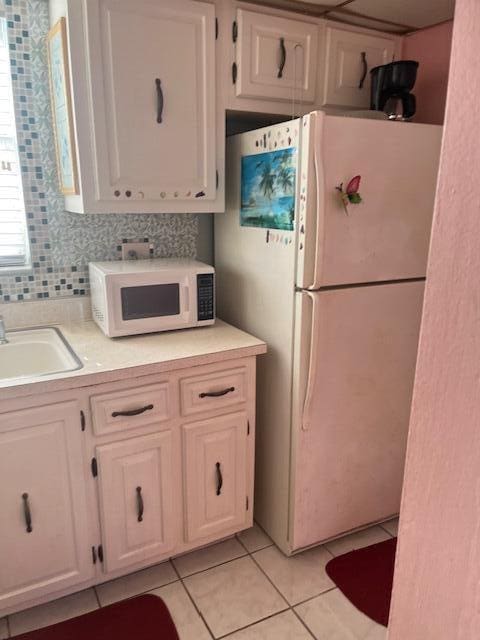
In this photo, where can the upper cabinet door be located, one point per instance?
(276, 58)
(350, 57)
(151, 71)
(45, 545)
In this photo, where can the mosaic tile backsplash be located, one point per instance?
(63, 243)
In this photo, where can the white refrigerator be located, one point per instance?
(336, 291)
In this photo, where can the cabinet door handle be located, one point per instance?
(216, 394)
(160, 100)
(27, 513)
(219, 478)
(365, 69)
(133, 412)
(140, 505)
(283, 58)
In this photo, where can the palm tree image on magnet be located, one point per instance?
(268, 190)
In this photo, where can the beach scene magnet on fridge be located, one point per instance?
(268, 189)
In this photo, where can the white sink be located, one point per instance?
(31, 353)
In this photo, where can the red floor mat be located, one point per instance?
(142, 618)
(365, 577)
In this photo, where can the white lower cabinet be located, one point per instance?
(100, 481)
(136, 493)
(44, 539)
(215, 464)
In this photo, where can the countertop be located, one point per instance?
(110, 359)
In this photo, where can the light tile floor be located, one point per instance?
(241, 589)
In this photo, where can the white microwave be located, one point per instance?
(145, 296)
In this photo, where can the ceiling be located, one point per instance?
(397, 16)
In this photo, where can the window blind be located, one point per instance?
(13, 229)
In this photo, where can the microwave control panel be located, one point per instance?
(205, 296)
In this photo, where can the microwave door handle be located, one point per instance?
(186, 298)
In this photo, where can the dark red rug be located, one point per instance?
(365, 577)
(142, 618)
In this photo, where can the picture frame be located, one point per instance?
(268, 189)
(62, 108)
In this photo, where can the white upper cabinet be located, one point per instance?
(276, 57)
(143, 76)
(350, 57)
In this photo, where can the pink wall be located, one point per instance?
(431, 47)
(437, 581)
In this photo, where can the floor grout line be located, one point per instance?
(270, 544)
(189, 595)
(9, 630)
(246, 550)
(97, 596)
(252, 624)
(303, 623)
(328, 551)
(317, 595)
(387, 531)
(271, 581)
(140, 593)
(195, 573)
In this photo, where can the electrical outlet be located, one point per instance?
(136, 250)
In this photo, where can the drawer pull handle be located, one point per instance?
(133, 412)
(160, 100)
(283, 58)
(140, 505)
(27, 513)
(219, 479)
(216, 394)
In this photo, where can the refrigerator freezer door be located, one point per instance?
(351, 418)
(386, 236)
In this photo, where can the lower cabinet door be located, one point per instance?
(215, 464)
(44, 538)
(136, 485)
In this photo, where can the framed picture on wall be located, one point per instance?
(62, 108)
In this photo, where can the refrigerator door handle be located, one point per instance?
(312, 363)
(318, 122)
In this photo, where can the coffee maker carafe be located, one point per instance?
(391, 85)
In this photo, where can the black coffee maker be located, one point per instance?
(391, 85)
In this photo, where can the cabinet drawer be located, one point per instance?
(213, 390)
(130, 408)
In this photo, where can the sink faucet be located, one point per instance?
(3, 337)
